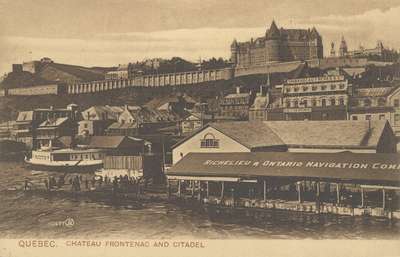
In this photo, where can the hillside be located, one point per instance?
(54, 72)
(22, 79)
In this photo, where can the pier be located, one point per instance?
(240, 180)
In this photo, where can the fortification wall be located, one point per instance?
(160, 80)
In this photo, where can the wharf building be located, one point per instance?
(338, 167)
(289, 136)
(278, 45)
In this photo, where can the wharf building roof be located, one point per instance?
(304, 134)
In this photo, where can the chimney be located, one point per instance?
(237, 90)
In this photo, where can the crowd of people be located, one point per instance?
(88, 183)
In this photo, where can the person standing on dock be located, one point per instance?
(115, 186)
(101, 181)
(27, 184)
(46, 184)
(86, 184)
(78, 184)
(61, 181)
(93, 182)
(53, 182)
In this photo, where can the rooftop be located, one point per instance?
(322, 134)
(53, 122)
(250, 134)
(374, 92)
(307, 165)
(111, 141)
(340, 133)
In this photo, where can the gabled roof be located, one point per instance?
(374, 92)
(249, 134)
(111, 141)
(322, 134)
(53, 122)
(117, 125)
(260, 102)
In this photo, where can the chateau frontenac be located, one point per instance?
(278, 45)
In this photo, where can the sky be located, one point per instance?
(112, 32)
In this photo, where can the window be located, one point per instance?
(382, 116)
(341, 101)
(341, 86)
(396, 103)
(296, 89)
(305, 103)
(367, 117)
(333, 102)
(287, 103)
(323, 102)
(305, 89)
(354, 117)
(296, 103)
(323, 87)
(381, 102)
(333, 87)
(209, 141)
(85, 125)
(397, 117)
(314, 103)
(314, 88)
(367, 102)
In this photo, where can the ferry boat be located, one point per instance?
(66, 160)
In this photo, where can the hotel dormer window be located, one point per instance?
(305, 89)
(314, 88)
(209, 141)
(323, 87)
(296, 89)
(333, 87)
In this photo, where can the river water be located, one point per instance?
(32, 215)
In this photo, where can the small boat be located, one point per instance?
(66, 160)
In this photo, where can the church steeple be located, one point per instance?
(343, 47)
(273, 32)
(333, 53)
